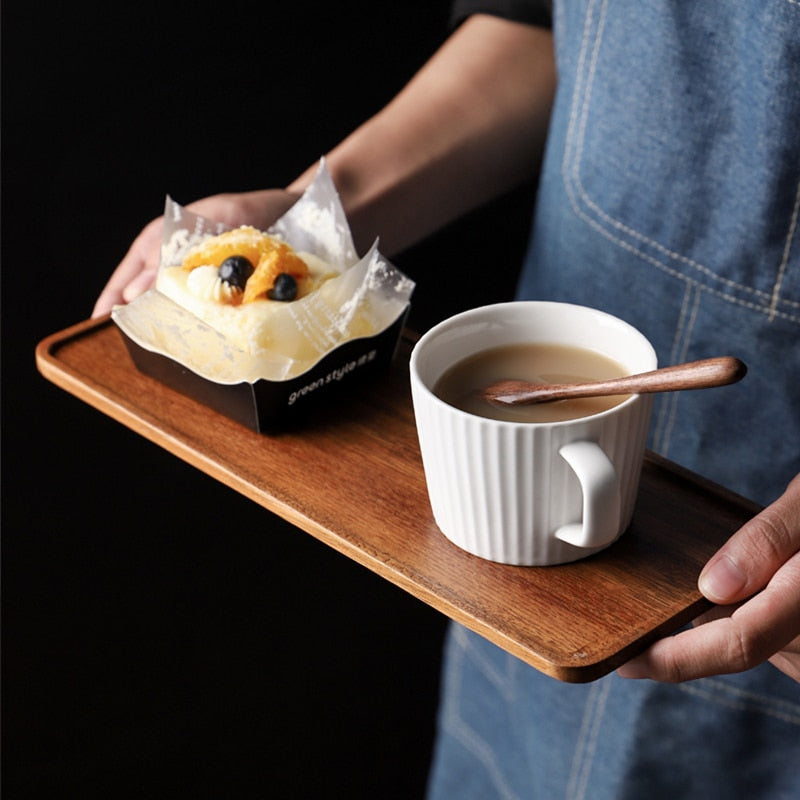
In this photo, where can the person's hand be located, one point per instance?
(755, 580)
(137, 270)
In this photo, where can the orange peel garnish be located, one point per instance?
(270, 265)
(245, 241)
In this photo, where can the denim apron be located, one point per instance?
(669, 197)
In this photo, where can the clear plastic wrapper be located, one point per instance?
(365, 298)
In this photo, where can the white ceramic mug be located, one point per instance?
(530, 493)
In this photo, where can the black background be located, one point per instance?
(163, 636)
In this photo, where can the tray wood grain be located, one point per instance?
(352, 477)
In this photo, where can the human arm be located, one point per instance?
(755, 580)
(469, 126)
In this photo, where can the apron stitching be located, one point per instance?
(756, 307)
(588, 93)
(499, 681)
(674, 397)
(684, 354)
(466, 736)
(573, 183)
(578, 92)
(588, 736)
(742, 700)
(666, 400)
(785, 260)
(677, 347)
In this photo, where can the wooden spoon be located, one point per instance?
(694, 375)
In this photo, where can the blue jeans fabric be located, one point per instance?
(508, 731)
(669, 196)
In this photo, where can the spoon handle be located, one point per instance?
(702, 374)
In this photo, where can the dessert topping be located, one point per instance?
(280, 259)
(248, 263)
(235, 270)
(284, 289)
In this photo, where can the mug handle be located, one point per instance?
(601, 496)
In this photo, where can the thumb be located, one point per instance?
(748, 560)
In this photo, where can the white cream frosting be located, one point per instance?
(205, 284)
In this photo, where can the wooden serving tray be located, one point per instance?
(353, 478)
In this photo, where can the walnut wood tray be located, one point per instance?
(353, 478)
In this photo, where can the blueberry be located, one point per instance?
(235, 271)
(284, 288)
